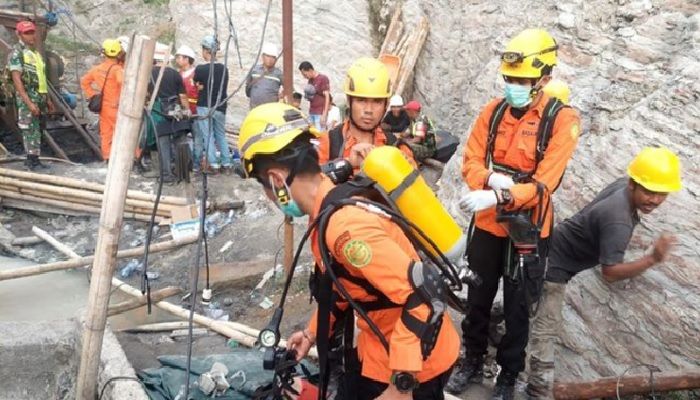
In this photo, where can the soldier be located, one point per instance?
(31, 87)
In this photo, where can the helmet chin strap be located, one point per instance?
(353, 123)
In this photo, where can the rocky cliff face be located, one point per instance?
(633, 67)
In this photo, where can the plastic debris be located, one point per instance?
(131, 267)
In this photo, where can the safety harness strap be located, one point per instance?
(405, 184)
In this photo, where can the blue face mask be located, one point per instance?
(285, 202)
(518, 96)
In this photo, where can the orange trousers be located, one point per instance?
(108, 120)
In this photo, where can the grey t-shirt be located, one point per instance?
(263, 86)
(598, 234)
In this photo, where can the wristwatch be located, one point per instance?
(404, 382)
(503, 197)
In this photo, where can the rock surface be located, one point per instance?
(633, 68)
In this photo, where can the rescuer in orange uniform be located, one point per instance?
(368, 89)
(372, 252)
(107, 78)
(506, 172)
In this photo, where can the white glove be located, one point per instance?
(478, 200)
(500, 181)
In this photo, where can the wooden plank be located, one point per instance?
(71, 117)
(411, 57)
(393, 32)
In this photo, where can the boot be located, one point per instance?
(38, 164)
(505, 385)
(155, 166)
(29, 163)
(471, 370)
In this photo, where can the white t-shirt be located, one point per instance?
(333, 117)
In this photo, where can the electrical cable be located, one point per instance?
(652, 368)
(118, 378)
(210, 116)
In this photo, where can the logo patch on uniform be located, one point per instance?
(574, 131)
(340, 242)
(358, 253)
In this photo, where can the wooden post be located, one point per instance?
(131, 103)
(288, 54)
(628, 385)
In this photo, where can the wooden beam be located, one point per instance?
(126, 136)
(137, 302)
(57, 150)
(393, 32)
(85, 185)
(21, 272)
(71, 117)
(628, 385)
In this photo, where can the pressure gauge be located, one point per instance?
(268, 338)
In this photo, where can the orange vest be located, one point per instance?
(515, 147)
(373, 248)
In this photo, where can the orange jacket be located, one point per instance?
(373, 248)
(94, 79)
(515, 147)
(324, 147)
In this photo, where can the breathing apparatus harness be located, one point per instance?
(435, 279)
(524, 234)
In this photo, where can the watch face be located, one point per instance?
(268, 338)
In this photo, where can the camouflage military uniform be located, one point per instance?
(29, 124)
(427, 147)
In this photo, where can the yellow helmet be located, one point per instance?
(558, 89)
(368, 77)
(269, 128)
(657, 169)
(111, 47)
(528, 54)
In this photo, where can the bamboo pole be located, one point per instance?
(71, 192)
(137, 302)
(629, 385)
(131, 103)
(85, 185)
(157, 327)
(67, 205)
(30, 240)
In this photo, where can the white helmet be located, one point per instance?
(270, 50)
(396, 101)
(186, 51)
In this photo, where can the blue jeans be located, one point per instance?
(217, 138)
(316, 120)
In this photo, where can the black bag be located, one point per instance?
(95, 102)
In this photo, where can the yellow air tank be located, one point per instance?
(387, 166)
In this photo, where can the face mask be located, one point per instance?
(285, 203)
(518, 96)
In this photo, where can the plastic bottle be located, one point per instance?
(130, 268)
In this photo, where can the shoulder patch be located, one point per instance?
(358, 253)
(340, 242)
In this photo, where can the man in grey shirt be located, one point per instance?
(264, 84)
(599, 234)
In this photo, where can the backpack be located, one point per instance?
(544, 130)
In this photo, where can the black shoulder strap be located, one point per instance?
(337, 142)
(544, 130)
(494, 121)
(358, 185)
